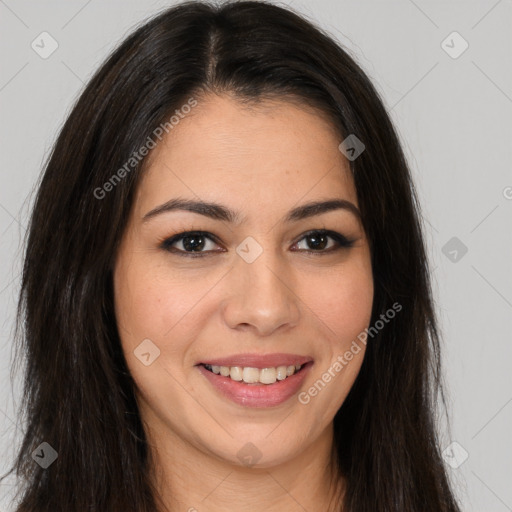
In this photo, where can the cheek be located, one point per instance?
(341, 305)
(342, 302)
(172, 310)
(151, 304)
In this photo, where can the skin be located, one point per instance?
(262, 162)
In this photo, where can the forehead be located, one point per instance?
(275, 152)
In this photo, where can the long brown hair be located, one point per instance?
(79, 395)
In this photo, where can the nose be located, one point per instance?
(261, 296)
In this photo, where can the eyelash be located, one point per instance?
(342, 241)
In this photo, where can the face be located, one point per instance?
(266, 286)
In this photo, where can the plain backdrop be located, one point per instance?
(452, 107)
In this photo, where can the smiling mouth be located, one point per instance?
(257, 376)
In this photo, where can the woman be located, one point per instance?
(225, 298)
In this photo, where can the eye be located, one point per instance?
(192, 243)
(318, 240)
(196, 243)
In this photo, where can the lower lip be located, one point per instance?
(257, 395)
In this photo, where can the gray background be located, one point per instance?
(454, 118)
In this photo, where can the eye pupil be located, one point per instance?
(194, 245)
(319, 241)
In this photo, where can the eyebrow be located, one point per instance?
(219, 212)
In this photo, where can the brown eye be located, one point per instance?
(318, 241)
(192, 243)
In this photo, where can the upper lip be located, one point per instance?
(259, 360)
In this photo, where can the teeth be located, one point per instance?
(281, 372)
(268, 375)
(251, 375)
(235, 373)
